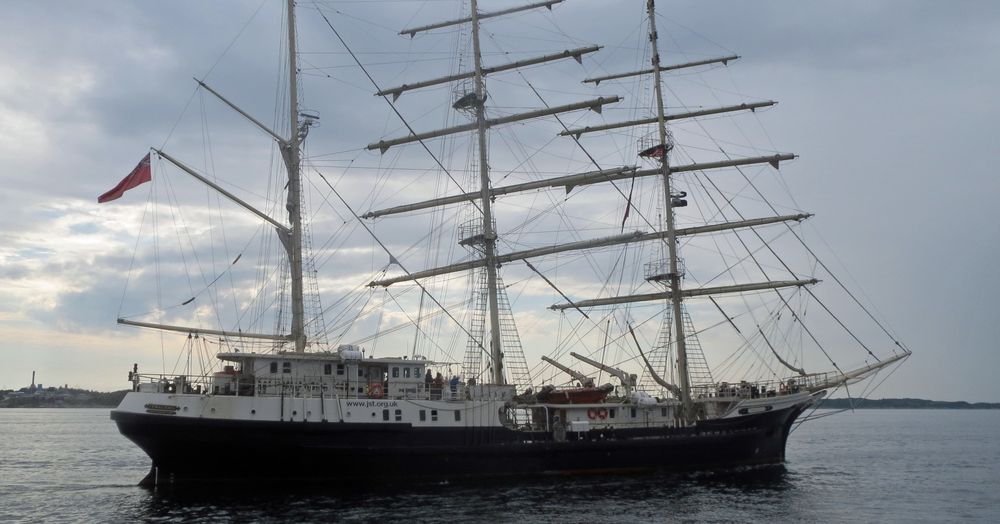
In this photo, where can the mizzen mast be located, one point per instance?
(291, 235)
(290, 153)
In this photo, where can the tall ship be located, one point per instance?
(647, 360)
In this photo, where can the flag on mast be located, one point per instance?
(140, 175)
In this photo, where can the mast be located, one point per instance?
(481, 124)
(675, 278)
(489, 236)
(637, 236)
(291, 156)
(569, 182)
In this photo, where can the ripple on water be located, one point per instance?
(912, 466)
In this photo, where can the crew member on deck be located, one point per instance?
(436, 386)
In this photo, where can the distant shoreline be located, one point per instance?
(61, 398)
(91, 399)
(903, 403)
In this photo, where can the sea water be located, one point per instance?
(71, 465)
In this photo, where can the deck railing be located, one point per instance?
(768, 388)
(311, 387)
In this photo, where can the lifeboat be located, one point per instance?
(583, 395)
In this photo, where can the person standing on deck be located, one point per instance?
(436, 386)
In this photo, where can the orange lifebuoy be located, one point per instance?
(592, 414)
(602, 413)
(375, 391)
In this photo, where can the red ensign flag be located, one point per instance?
(140, 175)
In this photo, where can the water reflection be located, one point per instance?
(73, 466)
(698, 495)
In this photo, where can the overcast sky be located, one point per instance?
(891, 106)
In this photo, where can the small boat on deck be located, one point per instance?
(581, 395)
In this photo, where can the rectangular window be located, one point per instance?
(406, 372)
(286, 367)
(361, 372)
(416, 373)
(274, 367)
(663, 412)
(385, 414)
(423, 415)
(399, 415)
(395, 372)
(458, 416)
(327, 369)
(434, 415)
(611, 413)
(633, 412)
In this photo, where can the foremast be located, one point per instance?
(676, 297)
(489, 235)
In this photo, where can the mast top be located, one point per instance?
(480, 16)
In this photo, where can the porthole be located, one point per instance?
(253, 411)
(294, 413)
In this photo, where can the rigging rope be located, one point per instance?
(391, 105)
(388, 252)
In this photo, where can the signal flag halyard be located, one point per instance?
(140, 175)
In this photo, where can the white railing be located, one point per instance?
(313, 387)
(769, 388)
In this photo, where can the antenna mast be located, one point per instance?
(675, 277)
(291, 156)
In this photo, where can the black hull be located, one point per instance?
(189, 449)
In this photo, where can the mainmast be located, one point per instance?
(291, 156)
(489, 235)
(675, 278)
